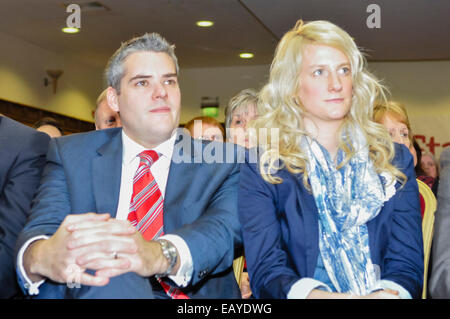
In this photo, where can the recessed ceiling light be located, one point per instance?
(70, 30)
(205, 23)
(246, 55)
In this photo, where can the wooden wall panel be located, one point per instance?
(29, 115)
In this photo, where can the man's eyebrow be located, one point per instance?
(145, 76)
(170, 75)
(139, 76)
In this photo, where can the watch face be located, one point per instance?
(170, 253)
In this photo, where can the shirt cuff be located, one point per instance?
(303, 287)
(24, 281)
(184, 273)
(402, 292)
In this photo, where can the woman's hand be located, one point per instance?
(380, 294)
(246, 292)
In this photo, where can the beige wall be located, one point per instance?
(222, 82)
(23, 69)
(423, 86)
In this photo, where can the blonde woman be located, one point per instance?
(332, 211)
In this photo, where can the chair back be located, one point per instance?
(238, 267)
(427, 228)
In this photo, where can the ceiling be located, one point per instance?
(411, 30)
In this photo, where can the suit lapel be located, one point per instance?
(106, 175)
(178, 181)
(311, 225)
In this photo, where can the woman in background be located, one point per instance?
(205, 128)
(326, 212)
(430, 168)
(241, 110)
(394, 117)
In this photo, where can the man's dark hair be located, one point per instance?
(48, 121)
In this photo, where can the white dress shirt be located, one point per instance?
(160, 171)
(130, 163)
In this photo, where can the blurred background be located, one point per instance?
(45, 71)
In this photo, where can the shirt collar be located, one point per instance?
(131, 149)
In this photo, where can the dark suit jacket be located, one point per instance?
(440, 273)
(200, 205)
(281, 231)
(22, 158)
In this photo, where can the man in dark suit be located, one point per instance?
(78, 234)
(22, 158)
(440, 273)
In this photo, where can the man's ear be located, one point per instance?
(112, 98)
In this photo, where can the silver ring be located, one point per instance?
(115, 255)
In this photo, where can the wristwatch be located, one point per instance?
(170, 252)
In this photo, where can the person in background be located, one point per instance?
(418, 150)
(49, 126)
(205, 128)
(22, 154)
(394, 117)
(326, 212)
(439, 283)
(430, 168)
(104, 115)
(241, 110)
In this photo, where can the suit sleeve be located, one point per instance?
(51, 203)
(403, 262)
(15, 200)
(267, 259)
(214, 236)
(440, 274)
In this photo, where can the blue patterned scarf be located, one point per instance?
(346, 198)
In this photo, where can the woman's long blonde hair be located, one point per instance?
(280, 108)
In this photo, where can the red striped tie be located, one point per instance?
(146, 208)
